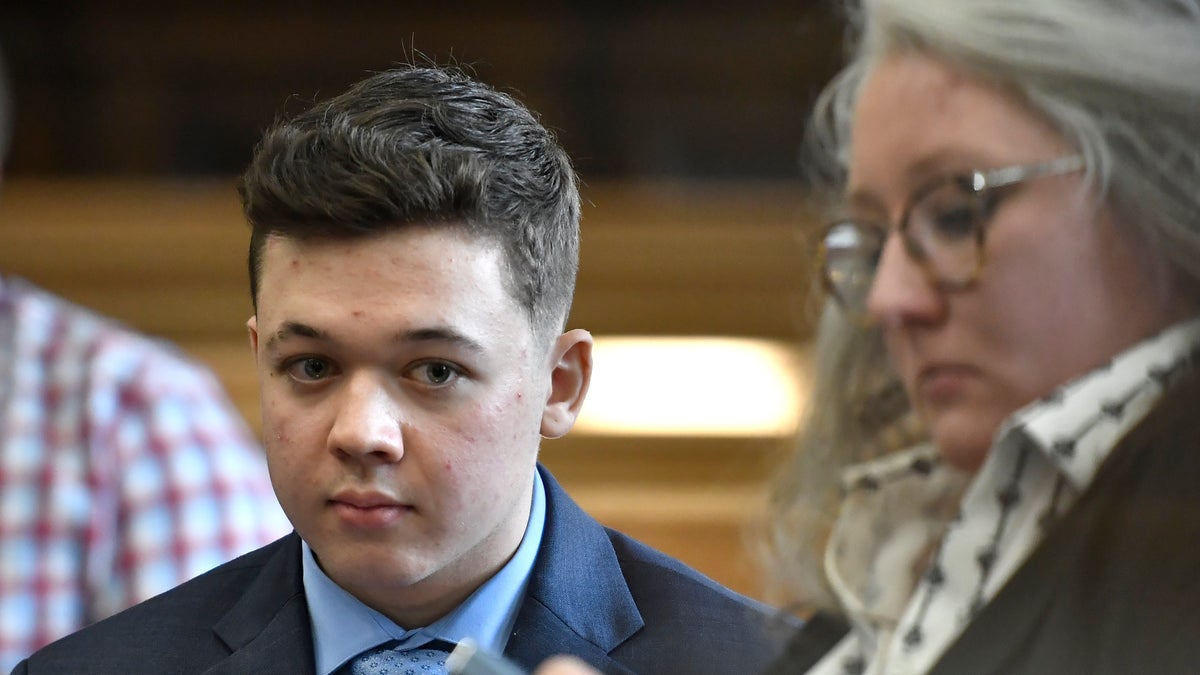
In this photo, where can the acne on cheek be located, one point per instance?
(281, 435)
(277, 429)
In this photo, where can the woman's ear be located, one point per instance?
(569, 379)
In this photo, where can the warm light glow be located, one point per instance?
(693, 386)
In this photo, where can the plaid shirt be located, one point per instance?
(124, 470)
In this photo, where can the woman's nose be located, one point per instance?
(902, 290)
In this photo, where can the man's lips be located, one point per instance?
(368, 509)
(366, 500)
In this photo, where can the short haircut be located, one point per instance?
(425, 146)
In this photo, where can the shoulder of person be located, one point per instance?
(152, 635)
(660, 582)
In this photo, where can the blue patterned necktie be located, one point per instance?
(428, 659)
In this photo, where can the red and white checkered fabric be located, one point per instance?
(124, 470)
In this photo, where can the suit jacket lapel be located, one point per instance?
(577, 601)
(268, 629)
(540, 634)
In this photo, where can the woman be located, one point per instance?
(1022, 224)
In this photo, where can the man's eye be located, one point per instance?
(436, 373)
(309, 369)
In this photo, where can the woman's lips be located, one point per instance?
(943, 384)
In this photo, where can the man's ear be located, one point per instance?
(252, 326)
(569, 380)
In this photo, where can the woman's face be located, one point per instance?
(1063, 288)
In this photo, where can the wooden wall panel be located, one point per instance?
(168, 258)
(702, 88)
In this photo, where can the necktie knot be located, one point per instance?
(428, 659)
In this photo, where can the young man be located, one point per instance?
(413, 259)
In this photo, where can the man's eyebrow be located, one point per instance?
(440, 334)
(292, 329)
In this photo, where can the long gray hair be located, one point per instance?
(857, 411)
(1119, 79)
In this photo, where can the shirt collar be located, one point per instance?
(343, 626)
(893, 509)
(912, 495)
(1078, 425)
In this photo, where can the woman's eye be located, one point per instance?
(309, 369)
(436, 373)
(956, 222)
(947, 215)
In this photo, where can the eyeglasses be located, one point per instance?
(942, 228)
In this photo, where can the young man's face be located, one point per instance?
(403, 393)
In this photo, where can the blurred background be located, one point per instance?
(684, 120)
(697, 89)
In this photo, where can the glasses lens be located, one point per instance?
(943, 231)
(851, 253)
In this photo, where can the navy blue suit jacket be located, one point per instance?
(594, 593)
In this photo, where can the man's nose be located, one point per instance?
(368, 421)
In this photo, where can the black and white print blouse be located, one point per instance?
(919, 548)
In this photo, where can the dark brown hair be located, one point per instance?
(423, 146)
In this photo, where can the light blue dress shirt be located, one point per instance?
(343, 626)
